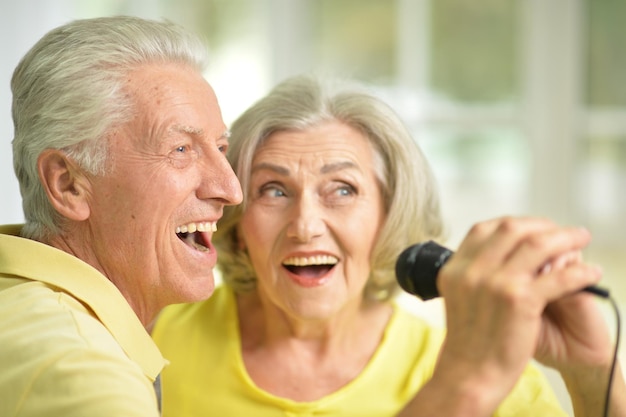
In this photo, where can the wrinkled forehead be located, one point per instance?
(170, 99)
(326, 147)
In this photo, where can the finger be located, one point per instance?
(561, 261)
(566, 280)
(481, 232)
(493, 242)
(544, 251)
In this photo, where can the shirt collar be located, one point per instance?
(55, 267)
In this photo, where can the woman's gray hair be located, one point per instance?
(406, 180)
(67, 94)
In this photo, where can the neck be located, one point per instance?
(263, 323)
(283, 354)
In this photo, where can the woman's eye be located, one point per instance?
(346, 190)
(272, 191)
(182, 149)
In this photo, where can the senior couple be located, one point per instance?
(130, 181)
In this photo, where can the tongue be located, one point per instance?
(195, 240)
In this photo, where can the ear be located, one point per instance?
(65, 184)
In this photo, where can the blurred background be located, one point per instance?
(520, 105)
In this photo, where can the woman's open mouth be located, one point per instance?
(311, 266)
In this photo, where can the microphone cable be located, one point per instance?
(618, 326)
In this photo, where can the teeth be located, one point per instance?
(311, 260)
(197, 227)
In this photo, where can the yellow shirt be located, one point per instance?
(207, 377)
(70, 345)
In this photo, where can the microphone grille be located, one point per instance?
(417, 268)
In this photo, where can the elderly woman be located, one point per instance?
(305, 322)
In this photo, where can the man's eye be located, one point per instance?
(182, 156)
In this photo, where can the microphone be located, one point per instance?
(418, 265)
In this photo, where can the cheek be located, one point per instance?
(256, 229)
(162, 194)
(362, 234)
(260, 233)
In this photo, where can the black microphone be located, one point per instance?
(418, 265)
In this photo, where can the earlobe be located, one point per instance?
(65, 184)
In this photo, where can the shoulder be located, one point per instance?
(532, 395)
(56, 355)
(412, 344)
(416, 326)
(35, 313)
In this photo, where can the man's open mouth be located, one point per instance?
(192, 234)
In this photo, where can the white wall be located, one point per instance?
(22, 23)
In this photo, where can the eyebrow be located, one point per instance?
(337, 166)
(271, 167)
(334, 167)
(187, 129)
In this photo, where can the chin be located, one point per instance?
(316, 312)
(197, 290)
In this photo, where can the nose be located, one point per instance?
(219, 181)
(307, 220)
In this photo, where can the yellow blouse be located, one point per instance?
(207, 377)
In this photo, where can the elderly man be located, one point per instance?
(119, 150)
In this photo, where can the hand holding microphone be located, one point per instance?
(511, 294)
